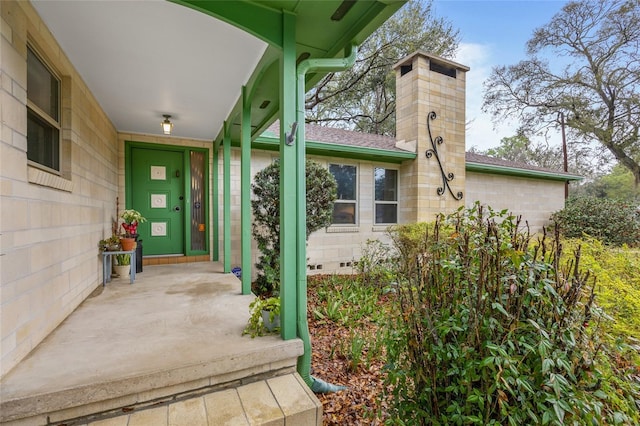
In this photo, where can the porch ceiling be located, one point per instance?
(143, 59)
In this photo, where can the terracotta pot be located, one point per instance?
(128, 244)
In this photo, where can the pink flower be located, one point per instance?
(130, 229)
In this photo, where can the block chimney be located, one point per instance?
(430, 96)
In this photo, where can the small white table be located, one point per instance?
(106, 265)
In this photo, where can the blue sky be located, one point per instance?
(492, 33)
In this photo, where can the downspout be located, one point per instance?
(309, 65)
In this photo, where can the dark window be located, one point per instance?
(386, 196)
(43, 114)
(345, 207)
(442, 69)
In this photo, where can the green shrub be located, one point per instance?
(265, 206)
(614, 222)
(492, 329)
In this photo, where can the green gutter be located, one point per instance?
(327, 149)
(514, 171)
(308, 65)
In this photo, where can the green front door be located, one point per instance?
(157, 187)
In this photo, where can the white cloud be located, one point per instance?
(480, 129)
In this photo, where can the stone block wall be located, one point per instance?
(50, 224)
(329, 250)
(533, 199)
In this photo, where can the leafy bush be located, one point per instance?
(614, 222)
(321, 193)
(491, 329)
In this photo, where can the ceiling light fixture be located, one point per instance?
(167, 125)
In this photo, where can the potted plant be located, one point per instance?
(131, 218)
(110, 244)
(123, 264)
(264, 316)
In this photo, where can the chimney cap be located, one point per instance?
(430, 57)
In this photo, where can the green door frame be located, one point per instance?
(129, 145)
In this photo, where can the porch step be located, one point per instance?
(172, 336)
(276, 401)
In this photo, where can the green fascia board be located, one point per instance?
(514, 171)
(326, 149)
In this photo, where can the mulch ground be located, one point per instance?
(360, 403)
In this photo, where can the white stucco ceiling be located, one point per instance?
(143, 59)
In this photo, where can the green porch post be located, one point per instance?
(226, 154)
(289, 175)
(245, 192)
(216, 203)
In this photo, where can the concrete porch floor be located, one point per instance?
(171, 338)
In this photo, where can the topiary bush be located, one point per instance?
(492, 329)
(612, 221)
(321, 193)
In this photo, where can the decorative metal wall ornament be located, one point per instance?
(446, 177)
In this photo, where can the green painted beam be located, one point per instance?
(514, 171)
(245, 192)
(226, 181)
(289, 175)
(258, 20)
(327, 149)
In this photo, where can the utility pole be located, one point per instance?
(564, 154)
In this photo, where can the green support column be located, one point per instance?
(288, 178)
(226, 154)
(216, 203)
(245, 192)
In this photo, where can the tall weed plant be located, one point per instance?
(492, 329)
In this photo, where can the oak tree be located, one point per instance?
(584, 63)
(363, 97)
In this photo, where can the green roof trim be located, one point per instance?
(520, 172)
(327, 149)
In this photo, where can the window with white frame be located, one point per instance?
(43, 114)
(386, 196)
(345, 206)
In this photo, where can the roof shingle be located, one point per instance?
(316, 133)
